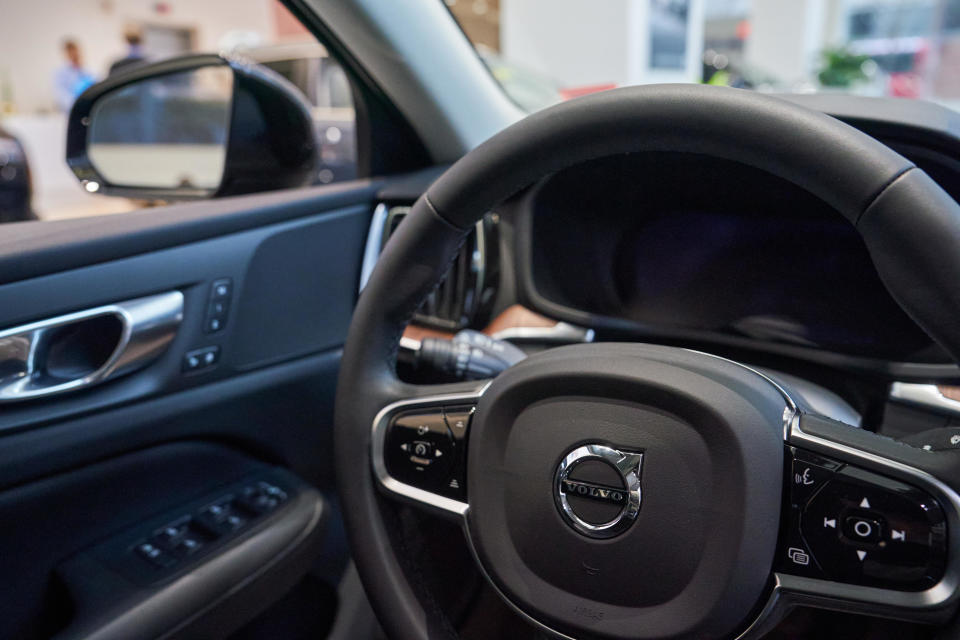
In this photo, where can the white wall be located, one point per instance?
(32, 32)
(576, 42)
(591, 42)
(786, 38)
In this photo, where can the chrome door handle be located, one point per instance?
(81, 349)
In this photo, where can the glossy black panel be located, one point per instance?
(854, 526)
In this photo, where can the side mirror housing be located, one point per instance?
(196, 126)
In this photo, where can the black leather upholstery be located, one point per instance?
(912, 230)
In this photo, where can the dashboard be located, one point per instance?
(691, 251)
(681, 243)
(684, 249)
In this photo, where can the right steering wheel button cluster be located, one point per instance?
(854, 526)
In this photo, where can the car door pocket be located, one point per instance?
(81, 349)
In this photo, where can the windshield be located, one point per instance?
(545, 51)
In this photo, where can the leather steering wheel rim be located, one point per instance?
(909, 224)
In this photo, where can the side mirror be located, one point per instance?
(196, 126)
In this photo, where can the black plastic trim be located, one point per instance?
(397, 147)
(38, 248)
(240, 405)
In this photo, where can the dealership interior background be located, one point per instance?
(537, 49)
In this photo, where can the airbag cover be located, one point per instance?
(697, 560)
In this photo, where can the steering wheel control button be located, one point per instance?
(810, 473)
(870, 530)
(861, 529)
(420, 450)
(458, 419)
(794, 556)
(597, 489)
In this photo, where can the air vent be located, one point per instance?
(459, 298)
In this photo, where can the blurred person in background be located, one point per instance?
(134, 55)
(71, 79)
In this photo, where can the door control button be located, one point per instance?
(180, 538)
(169, 536)
(262, 497)
(221, 517)
(188, 545)
(218, 305)
(218, 308)
(221, 289)
(200, 359)
(155, 555)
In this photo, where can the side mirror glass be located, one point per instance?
(192, 127)
(168, 132)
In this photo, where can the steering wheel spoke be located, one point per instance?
(419, 446)
(863, 531)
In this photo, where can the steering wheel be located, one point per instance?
(640, 491)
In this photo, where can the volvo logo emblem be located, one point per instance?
(597, 492)
(597, 489)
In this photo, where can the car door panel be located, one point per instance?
(62, 514)
(28, 250)
(294, 283)
(79, 469)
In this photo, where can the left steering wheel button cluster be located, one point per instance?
(424, 450)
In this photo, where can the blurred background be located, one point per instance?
(541, 51)
(902, 48)
(51, 50)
